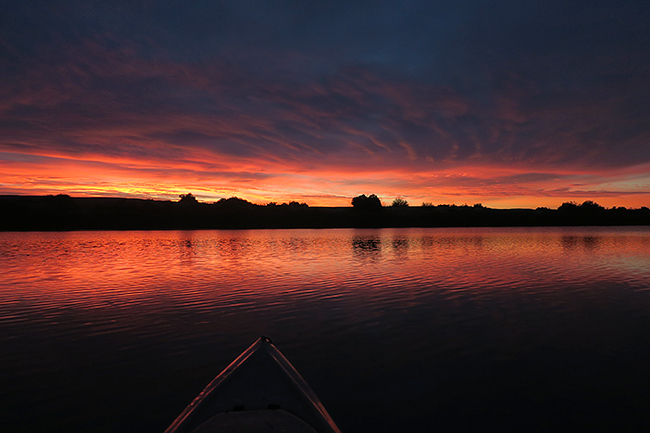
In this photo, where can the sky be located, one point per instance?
(505, 103)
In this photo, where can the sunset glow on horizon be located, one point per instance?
(510, 105)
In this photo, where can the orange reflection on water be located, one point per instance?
(218, 267)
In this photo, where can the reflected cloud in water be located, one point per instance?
(364, 323)
(453, 242)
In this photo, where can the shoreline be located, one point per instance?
(65, 213)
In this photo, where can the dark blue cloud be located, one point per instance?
(510, 82)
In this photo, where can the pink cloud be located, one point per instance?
(110, 121)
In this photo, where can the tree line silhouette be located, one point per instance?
(62, 212)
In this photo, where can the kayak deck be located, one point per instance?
(259, 391)
(258, 421)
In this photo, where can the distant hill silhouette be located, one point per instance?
(62, 212)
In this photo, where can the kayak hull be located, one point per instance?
(259, 390)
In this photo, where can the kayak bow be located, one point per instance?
(259, 391)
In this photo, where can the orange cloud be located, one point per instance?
(89, 120)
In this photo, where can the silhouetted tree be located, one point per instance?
(587, 206)
(568, 206)
(368, 203)
(234, 203)
(296, 204)
(187, 198)
(399, 202)
(590, 205)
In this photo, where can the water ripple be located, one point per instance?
(403, 301)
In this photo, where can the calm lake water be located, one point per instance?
(447, 330)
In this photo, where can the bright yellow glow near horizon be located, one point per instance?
(321, 186)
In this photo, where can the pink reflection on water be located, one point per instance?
(360, 308)
(209, 266)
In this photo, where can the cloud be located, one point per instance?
(397, 93)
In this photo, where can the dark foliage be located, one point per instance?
(400, 202)
(369, 203)
(235, 203)
(188, 199)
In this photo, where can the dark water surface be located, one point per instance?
(448, 330)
